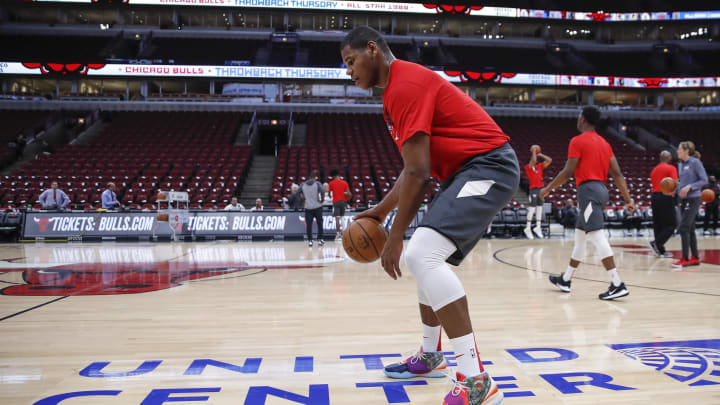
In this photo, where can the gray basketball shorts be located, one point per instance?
(339, 208)
(592, 199)
(469, 199)
(534, 197)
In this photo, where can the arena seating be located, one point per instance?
(356, 144)
(142, 153)
(702, 132)
(14, 123)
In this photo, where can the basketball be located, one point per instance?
(668, 185)
(536, 148)
(163, 217)
(364, 240)
(707, 195)
(161, 196)
(348, 195)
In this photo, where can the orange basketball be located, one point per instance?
(536, 148)
(707, 196)
(161, 196)
(668, 185)
(163, 217)
(364, 240)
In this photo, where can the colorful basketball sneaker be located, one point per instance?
(478, 390)
(420, 364)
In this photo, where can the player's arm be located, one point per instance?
(411, 185)
(616, 173)
(533, 157)
(561, 178)
(547, 160)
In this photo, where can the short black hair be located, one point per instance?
(359, 37)
(591, 115)
(334, 172)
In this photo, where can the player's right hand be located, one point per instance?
(373, 213)
(630, 206)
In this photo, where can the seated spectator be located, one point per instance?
(632, 220)
(568, 214)
(295, 201)
(327, 200)
(258, 205)
(234, 205)
(109, 198)
(54, 198)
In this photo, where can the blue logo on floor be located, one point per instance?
(695, 362)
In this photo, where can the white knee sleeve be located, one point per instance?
(578, 252)
(530, 214)
(601, 243)
(538, 213)
(422, 297)
(425, 257)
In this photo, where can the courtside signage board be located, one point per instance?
(145, 224)
(57, 70)
(417, 8)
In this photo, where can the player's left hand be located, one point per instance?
(543, 193)
(390, 257)
(684, 191)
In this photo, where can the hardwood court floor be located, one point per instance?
(279, 323)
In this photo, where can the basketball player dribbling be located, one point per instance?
(590, 157)
(441, 132)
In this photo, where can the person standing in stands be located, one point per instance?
(314, 195)
(338, 188)
(534, 172)
(54, 198)
(711, 208)
(692, 179)
(440, 132)
(663, 205)
(590, 157)
(109, 198)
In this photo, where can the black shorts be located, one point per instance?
(469, 200)
(339, 209)
(534, 197)
(592, 199)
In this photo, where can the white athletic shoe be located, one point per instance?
(528, 233)
(538, 232)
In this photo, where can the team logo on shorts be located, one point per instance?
(694, 362)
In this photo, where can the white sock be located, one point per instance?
(431, 338)
(466, 355)
(538, 215)
(529, 223)
(567, 276)
(614, 277)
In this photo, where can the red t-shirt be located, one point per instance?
(594, 153)
(338, 188)
(535, 174)
(417, 99)
(660, 172)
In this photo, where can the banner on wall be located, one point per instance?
(418, 8)
(293, 73)
(50, 225)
